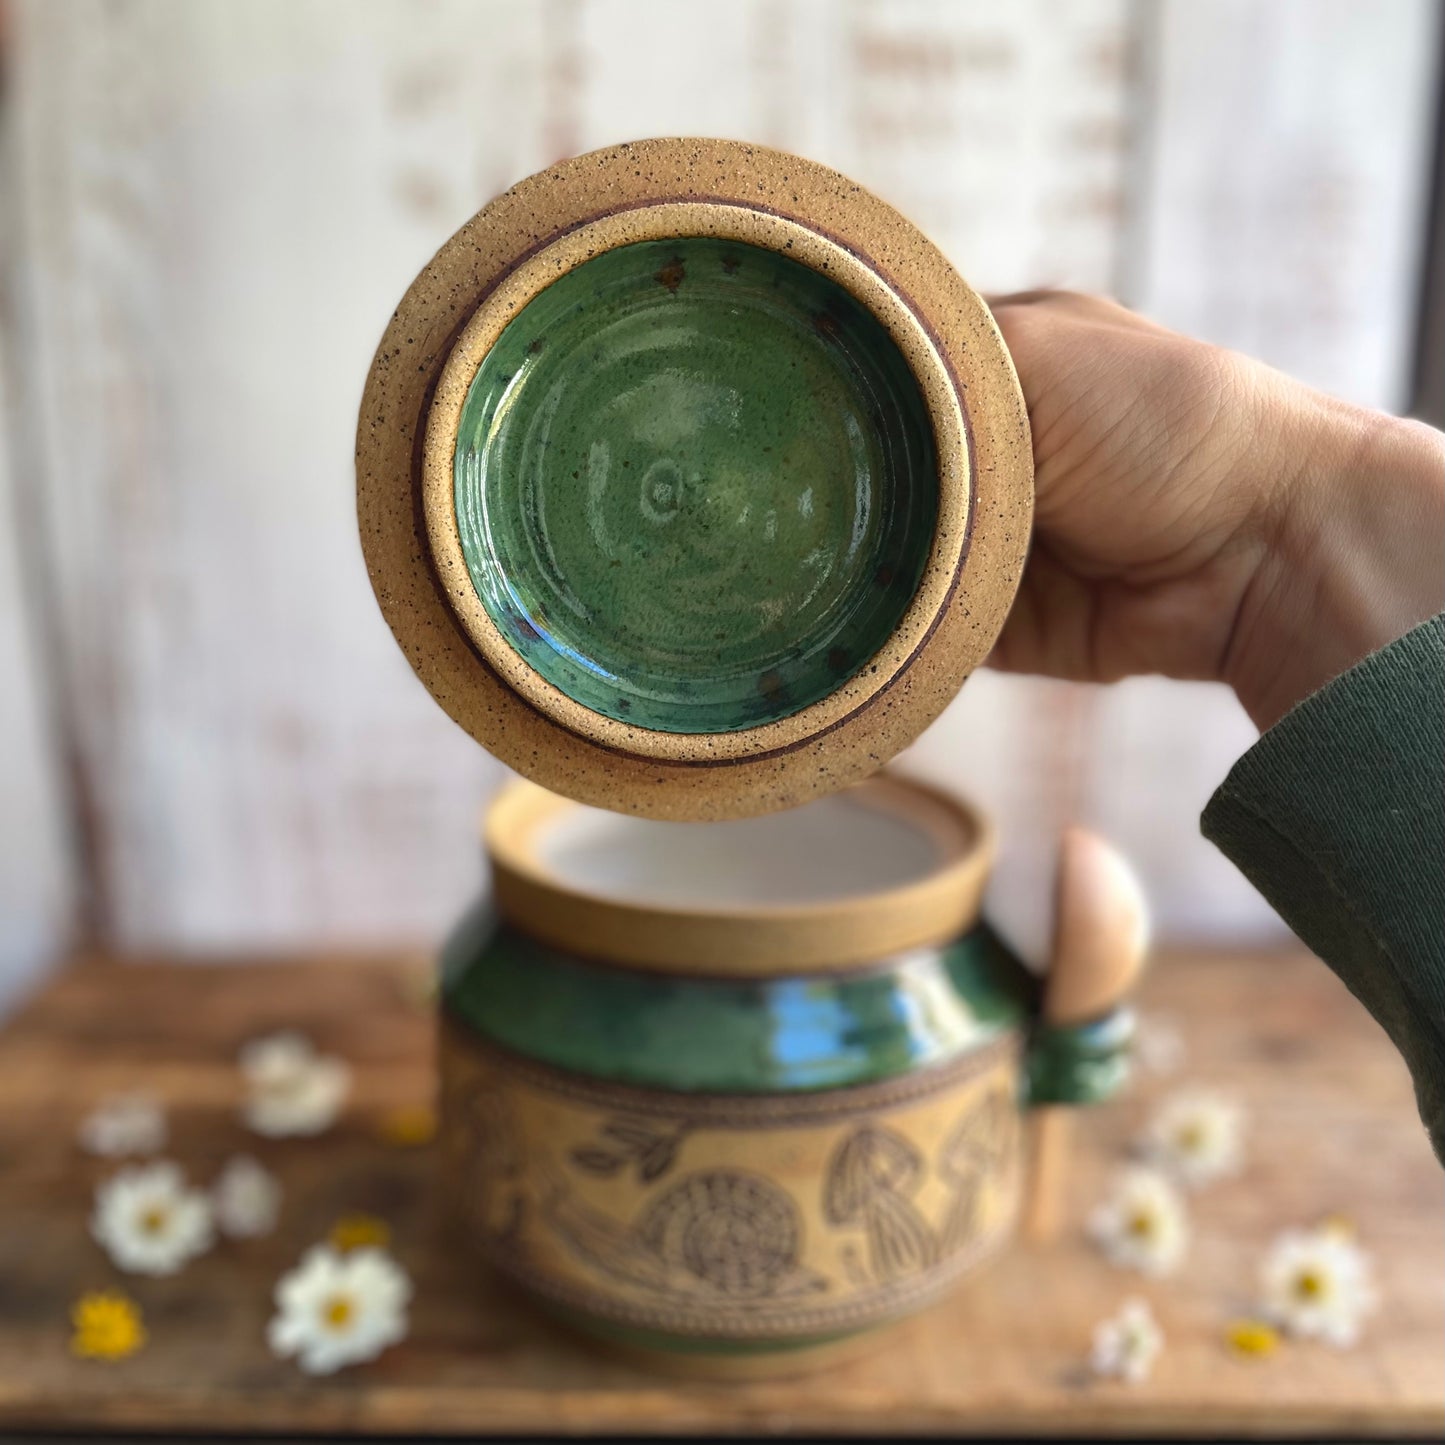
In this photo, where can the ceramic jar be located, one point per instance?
(693, 479)
(734, 1095)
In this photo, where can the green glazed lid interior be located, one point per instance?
(696, 485)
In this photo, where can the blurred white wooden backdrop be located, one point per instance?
(208, 740)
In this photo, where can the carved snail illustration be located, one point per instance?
(738, 1233)
(723, 1233)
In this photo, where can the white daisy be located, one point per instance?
(338, 1309)
(122, 1125)
(1127, 1344)
(1317, 1283)
(246, 1199)
(148, 1222)
(1142, 1223)
(290, 1088)
(1196, 1135)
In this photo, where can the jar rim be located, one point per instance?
(740, 939)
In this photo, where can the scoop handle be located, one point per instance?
(1101, 932)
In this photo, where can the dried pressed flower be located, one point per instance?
(359, 1231)
(1196, 1135)
(1127, 1344)
(339, 1309)
(246, 1199)
(291, 1090)
(126, 1124)
(1317, 1283)
(1255, 1338)
(408, 1126)
(107, 1326)
(148, 1221)
(1142, 1223)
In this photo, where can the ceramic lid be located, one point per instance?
(692, 479)
(887, 866)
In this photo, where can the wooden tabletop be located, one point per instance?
(1332, 1129)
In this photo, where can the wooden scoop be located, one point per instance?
(1101, 932)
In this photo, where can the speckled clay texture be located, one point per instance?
(407, 436)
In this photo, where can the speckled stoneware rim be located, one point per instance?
(755, 228)
(630, 180)
(864, 930)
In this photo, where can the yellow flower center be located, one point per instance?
(338, 1312)
(154, 1219)
(1192, 1138)
(1141, 1224)
(1309, 1284)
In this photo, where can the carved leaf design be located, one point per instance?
(634, 1136)
(601, 1162)
(657, 1159)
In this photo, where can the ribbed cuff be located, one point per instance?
(1337, 816)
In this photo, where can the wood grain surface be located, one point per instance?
(1332, 1128)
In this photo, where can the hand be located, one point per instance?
(1203, 516)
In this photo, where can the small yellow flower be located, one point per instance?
(107, 1326)
(409, 1126)
(1340, 1226)
(1254, 1338)
(359, 1231)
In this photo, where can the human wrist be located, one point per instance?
(1354, 555)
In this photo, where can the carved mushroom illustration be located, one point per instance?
(485, 1153)
(870, 1177)
(973, 1154)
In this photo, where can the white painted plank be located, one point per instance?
(36, 886)
(223, 203)
(1291, 153)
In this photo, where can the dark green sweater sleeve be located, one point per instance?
(1337, 816)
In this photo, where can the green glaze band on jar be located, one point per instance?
(741, 1036)
(695, 484)
(733, 1036)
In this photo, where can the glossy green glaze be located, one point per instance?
(733, 1036)
(1082, 1063)
(696, 485)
